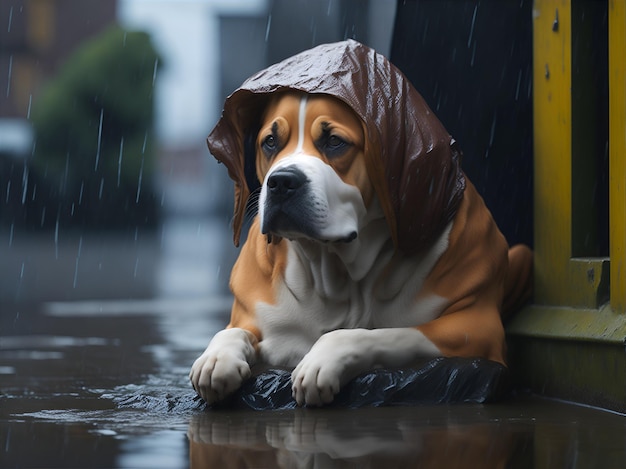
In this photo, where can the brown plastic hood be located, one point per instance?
(413, 162)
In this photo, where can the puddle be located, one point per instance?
(103, 383)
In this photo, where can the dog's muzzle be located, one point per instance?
(303, 197)
(287, 207)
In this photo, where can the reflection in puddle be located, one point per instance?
(392, 437)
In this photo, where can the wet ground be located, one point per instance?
(97, 333)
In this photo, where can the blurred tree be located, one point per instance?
(93, 133)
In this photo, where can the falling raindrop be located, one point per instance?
(80, 194)
(9, 75)
(80, 248)
(119, 162)
(136, 267)
(493, 129)
(22, 271)
(139, 182)
(6, 201)
(267, 27)
(99, 140)
(154, 72)
(519, 81)
(11, 229)
(473, 54)
(10, 19)
(101, 189)
(30, 103)
(469, 39)
(56, 238)
(43, 216)
(24, 183)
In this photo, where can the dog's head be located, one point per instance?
(309, 155)
(387, 142)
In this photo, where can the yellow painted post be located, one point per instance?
(617, 152)
(553, 139)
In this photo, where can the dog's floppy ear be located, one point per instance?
(232, 142)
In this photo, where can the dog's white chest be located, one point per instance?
(321, 293)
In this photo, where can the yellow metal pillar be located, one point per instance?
(552, 139)
(617, 152)
(569, 343)
(560, 278)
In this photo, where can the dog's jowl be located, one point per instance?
(371, 248)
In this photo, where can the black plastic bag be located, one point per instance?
(439, 381)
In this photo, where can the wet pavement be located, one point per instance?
(97, 333)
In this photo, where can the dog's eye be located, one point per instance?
(334, 141)
(334, 146)
(269, 144)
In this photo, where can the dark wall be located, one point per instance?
(472, 62)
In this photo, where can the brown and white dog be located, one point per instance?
(325, 282)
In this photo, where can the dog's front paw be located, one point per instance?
(223, 366)
(335, 358)
(315, 382)
(215, 376)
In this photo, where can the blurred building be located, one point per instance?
(36, 36)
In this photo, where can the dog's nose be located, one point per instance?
(284, 182)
